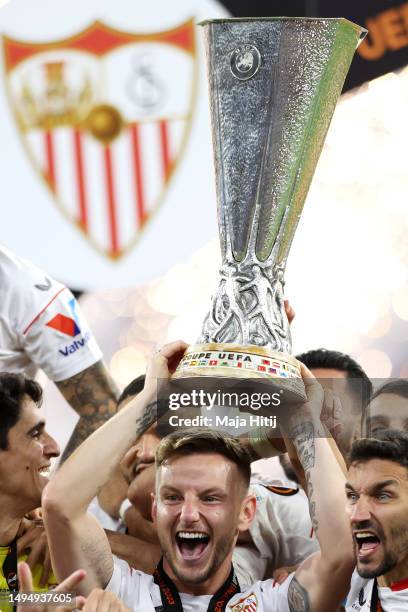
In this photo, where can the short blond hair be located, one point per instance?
(202, 440)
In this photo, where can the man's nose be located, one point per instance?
(146, 449)
(51, 448)
(190, 510)
(360, 511)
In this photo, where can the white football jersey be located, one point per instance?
(104, 519)
(41, 325)
(391, 599)
(141, 594)
(281, 531)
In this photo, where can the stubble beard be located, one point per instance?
(387, 564)
(222, 550)
(391, 559)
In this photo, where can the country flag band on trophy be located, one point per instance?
(274, 84)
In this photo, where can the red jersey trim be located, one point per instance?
(401, 585)
(40, 313)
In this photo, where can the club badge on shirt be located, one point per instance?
(249, 603)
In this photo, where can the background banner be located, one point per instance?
(105, 159)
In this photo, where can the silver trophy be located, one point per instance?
(274, 84)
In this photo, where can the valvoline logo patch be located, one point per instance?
(66, 325)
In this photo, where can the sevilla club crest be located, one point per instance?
(105, 117)
(249, 603)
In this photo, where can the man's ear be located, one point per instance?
(247, 514)
(154, 507)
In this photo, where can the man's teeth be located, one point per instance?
(192, 535)
(364, 534)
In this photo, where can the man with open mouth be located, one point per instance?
(377, 493)
(280, 534)
(201, 504)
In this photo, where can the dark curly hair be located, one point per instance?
(13, 389)
(359, 383)
(133, 388)
(387, 444)
(396, 387)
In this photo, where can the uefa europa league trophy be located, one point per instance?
(274, 83)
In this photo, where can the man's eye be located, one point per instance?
(352, 497)
(383, 496)
(211, 498)
(36, 434)
(172, 497)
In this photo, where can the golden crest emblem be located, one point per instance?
(105, 116)
(249, 603)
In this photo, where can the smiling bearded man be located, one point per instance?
(201, 505)
(377, 493)
(25, 453)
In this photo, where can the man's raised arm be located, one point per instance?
(322, 580)
(77, 541)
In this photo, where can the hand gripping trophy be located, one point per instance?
(274, 84)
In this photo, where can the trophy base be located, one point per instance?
(250, 361)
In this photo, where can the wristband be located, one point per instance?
(124, 506)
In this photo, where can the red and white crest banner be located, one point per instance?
(107, 153)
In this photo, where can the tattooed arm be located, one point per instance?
(321, 581)
(93, 395)
(76, 539)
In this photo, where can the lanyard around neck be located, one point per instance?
(171, 601)
(375, 601)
